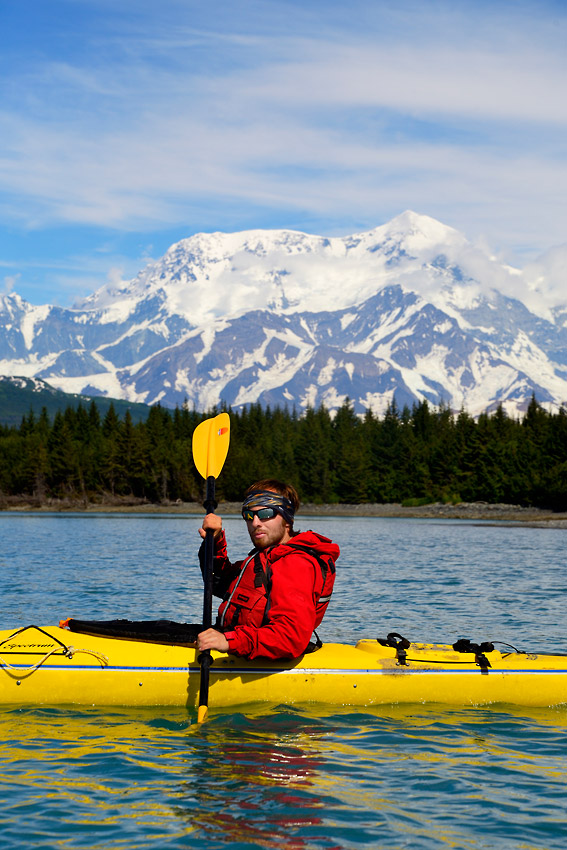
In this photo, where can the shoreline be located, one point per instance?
(465, 510)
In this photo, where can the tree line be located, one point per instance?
(410, 456)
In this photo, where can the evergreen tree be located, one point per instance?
(112, 466)
(351, 457)
(314, 451)
(63, 462)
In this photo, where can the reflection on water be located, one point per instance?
(255, 780)
(390, 777)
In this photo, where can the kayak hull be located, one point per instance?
(51, 666)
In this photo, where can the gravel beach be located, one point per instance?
(468, 511)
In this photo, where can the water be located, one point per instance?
(289, 777)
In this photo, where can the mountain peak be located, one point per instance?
(219, 275)
(415, 232)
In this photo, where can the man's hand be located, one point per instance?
(211, 639)
(212, 522)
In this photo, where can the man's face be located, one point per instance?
(267, 532)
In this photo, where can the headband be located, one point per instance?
(269, 499)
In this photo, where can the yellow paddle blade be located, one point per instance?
(202, 713)
(210, 445)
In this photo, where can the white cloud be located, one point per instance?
(9, 283)
(459, 113)
(477, 83)
(548, 275)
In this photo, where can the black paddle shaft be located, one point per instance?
(209, 505)
(205, 659)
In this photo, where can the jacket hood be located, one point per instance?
(309, 540)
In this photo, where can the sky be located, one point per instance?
(127, 125)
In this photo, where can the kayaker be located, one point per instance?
(275, 598)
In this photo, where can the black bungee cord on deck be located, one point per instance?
(401, 644)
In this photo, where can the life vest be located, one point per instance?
(247, 601)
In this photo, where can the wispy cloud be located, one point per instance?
(156, 117)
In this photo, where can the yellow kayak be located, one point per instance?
(53, 666)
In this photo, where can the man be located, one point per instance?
(277, 596)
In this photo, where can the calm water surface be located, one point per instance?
(282, 777)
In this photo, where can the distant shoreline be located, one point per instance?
(469, 511)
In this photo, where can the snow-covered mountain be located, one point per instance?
(410, 309)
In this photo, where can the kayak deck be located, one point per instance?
(52, 666)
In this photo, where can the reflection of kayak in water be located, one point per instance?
(53, 666)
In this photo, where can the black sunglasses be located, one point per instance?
(263, 513)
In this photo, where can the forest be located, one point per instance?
(411, 456)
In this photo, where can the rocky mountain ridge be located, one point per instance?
(409, 310)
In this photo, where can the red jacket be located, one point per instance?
(271, 607)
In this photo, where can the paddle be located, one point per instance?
(210, 447)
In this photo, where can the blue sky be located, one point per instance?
(126, 126)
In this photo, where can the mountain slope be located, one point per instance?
(19, 396)
(409, 309)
